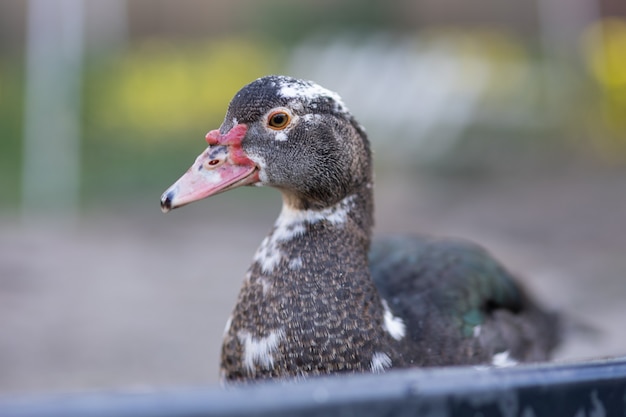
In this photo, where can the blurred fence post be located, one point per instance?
(51, 150)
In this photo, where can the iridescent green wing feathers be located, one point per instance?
(458, 279)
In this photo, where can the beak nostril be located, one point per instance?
(166, 201)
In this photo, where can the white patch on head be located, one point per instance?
(292, 223)
(295, 264)
(312, 117)
(259, 161)
(259, 351)
(280, 136)
(235, 122)
(503, 360)
(393, 325)
(380, 362)
(309, 91)
(296, 105)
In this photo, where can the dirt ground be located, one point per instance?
(129, 298)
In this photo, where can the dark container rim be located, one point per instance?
(596, 387)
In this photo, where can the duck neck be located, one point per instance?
(306, 239)
(307, 292)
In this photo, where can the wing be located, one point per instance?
(459, 303)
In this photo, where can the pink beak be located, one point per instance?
(221, 167)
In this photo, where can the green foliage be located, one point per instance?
(11, 108)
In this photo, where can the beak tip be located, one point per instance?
(166, 201)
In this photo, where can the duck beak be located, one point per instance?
(219, 168)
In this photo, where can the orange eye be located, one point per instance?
(278, 120)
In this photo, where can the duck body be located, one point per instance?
(319, 297)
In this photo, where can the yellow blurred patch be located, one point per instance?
(604, 45)
(604, 50)
(159, 87)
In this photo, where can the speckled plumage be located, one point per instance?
(313, 302)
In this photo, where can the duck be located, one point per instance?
(321, 297)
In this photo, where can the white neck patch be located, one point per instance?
(292, 223)
(336, 214)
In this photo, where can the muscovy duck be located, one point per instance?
(317, 298)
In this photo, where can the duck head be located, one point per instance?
(282, 132)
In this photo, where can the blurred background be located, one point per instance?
(500, 123)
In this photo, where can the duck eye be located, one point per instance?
(278, 120)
